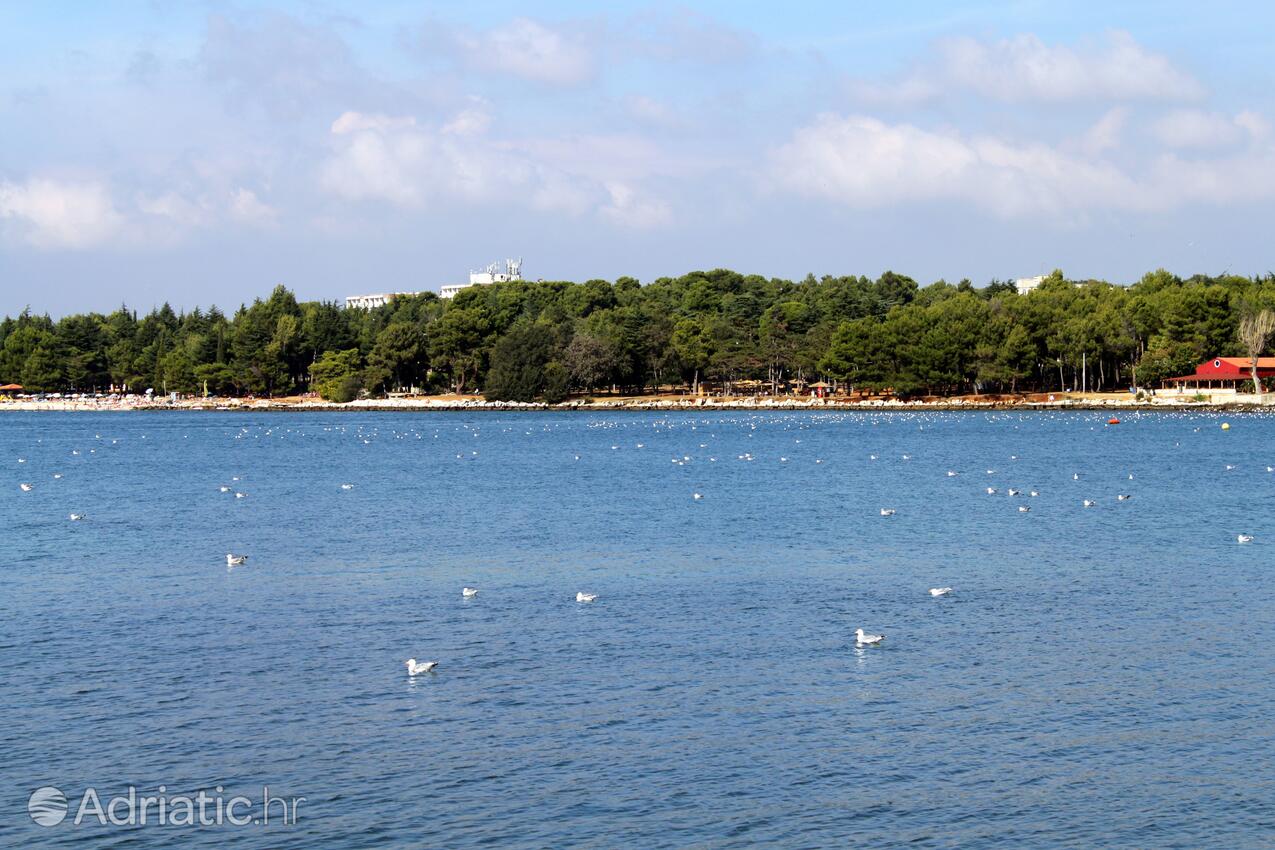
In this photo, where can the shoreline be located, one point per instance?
(637, 404)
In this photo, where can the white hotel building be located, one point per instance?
(492, 274)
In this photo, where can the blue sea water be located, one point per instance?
(1100, 677)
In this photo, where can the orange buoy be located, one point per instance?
(1113, 421)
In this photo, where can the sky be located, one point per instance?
(203, 152)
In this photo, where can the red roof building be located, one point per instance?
(1227, 371)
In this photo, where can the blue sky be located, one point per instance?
(201, 153)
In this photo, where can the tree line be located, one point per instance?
(546, 340)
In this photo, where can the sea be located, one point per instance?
(1100, 675)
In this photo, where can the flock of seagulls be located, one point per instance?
(862, 638)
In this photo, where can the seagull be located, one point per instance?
(698, 496)
(991, 491)
(1014, 492)
(887, 512)
(347, 486)
(57, 475)
(585, 597)
(414, 669)
(1033, 493)
(1268, 469)
(1075, 476)
(26, 488)
(1089, 503)
(952, 473)
(76, 517)
(235, 560)
(872, 457)
(862, 638)
(22, 460)
(224, 489)
(468, 592)
(1244, 538)
(940, 591)
(1123, 497)
(240, 495)
(1022, 509)
(991, 472)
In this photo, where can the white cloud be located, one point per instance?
(471, 121)
(1104, 135)
(527, 49)
(631, 209)
(1024, 68)
(860, 161)
(245, 206)
(1193, 128)
(53, 214)
(353, 122)
(398, 162)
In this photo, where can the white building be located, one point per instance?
(1025, 285)
(371, 302)
(492, 274)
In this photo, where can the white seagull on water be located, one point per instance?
(585, 597)
(76, 517)
(235, 560)
(414, 669)
(1243, 538)
(887, 512)
(26, 488)
(862, 638)
(940, 591)
(468, 592)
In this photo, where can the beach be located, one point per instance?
(1057, 401)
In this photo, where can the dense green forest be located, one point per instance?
(544, 340)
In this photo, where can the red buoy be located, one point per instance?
(1113, 421)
